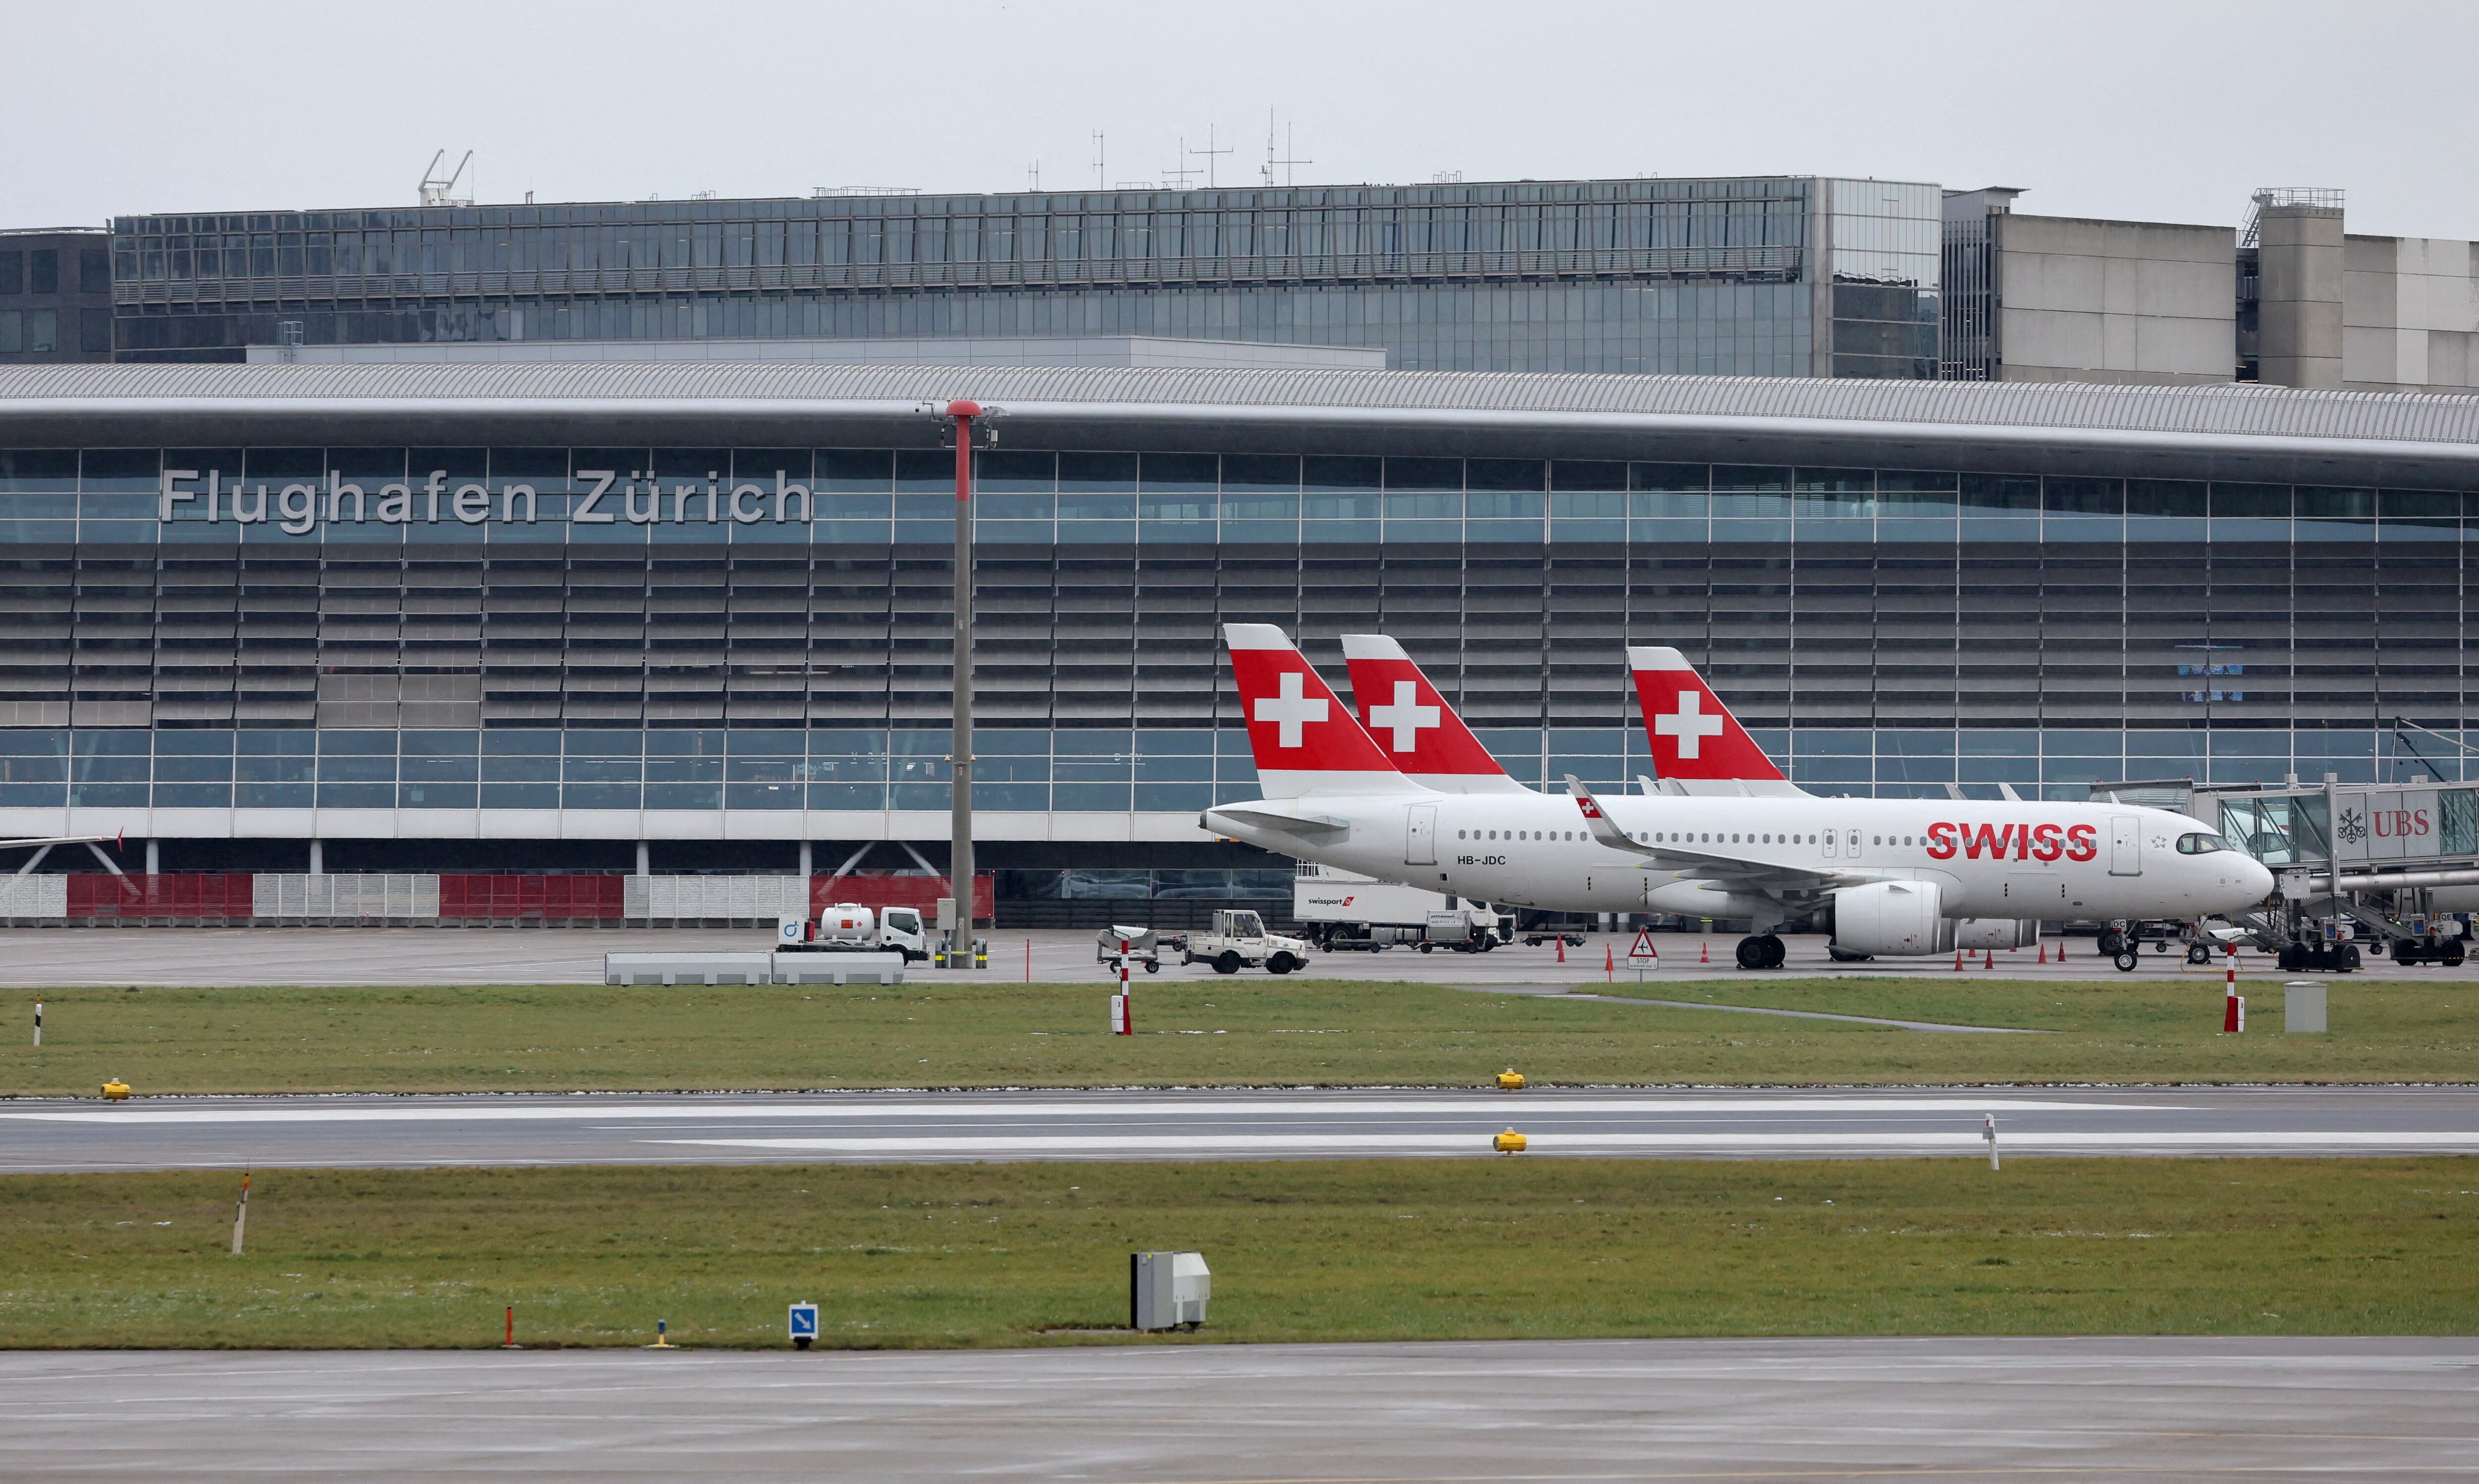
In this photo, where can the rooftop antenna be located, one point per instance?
(1101, 176)
(436, 192)
(1033, 175)
(1209, 152)
(1178, 176)
(1286, 162)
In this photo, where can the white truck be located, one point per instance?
(1238, 940)
(1344, 911)
(849, 927)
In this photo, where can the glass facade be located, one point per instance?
(1716, 276)
(1885, 268)
(766, 629)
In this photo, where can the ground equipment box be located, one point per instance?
(1168, 1289)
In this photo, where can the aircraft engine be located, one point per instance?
(1996, 932)
(1891, 917)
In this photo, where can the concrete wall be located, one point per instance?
(2409, 314)
(2299, 305)
(2116, 301)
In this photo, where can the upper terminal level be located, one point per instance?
(1783, 275)
(1749, 228)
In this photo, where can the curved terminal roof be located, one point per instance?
(2229, 417)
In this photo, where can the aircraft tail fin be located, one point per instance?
(1413, 725)
(1694, 736)
(1305, 740)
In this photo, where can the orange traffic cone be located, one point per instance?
(1561, 946)
(2044, 953)
(1987, 960)
(1609, 962)
(1958, 961)
(1705, 956)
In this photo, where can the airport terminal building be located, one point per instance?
(589, 538)
(602, 616)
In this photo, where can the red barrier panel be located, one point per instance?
(531, 898)
(920, 891)
(193, 895)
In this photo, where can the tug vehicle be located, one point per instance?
(1238, 940)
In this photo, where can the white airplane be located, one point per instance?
(1890, 876)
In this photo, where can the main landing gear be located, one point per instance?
(1762, 950)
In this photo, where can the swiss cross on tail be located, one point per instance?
(1694, 736)
(1288, 708)
(1590, 806)
(1413, 725)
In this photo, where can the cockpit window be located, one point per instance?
(2200, 844)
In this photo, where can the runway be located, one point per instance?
(46, 958)
(853, 1127)
(2069, 1409)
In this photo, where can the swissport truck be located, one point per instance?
(1341, 912)
(849, 927)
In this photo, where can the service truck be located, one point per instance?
(1238, 940)
(849, 927)
(1343, 911)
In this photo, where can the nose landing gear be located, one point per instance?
(1761, 951)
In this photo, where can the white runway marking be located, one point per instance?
(998, 1109)
(1583, 1143)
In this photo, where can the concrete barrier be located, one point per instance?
(688, 968)
(838, 968)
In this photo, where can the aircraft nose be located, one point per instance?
(2257, 879)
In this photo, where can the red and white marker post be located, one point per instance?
(2234, 1004)
(1123, 1019)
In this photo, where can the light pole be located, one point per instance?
(959, 869)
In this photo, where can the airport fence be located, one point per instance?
(460, 899)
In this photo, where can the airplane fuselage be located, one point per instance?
(1991, 859)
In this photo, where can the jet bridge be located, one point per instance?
(2395, 863)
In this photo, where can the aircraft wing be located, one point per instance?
(1705, 863)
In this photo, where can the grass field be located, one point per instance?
(1259, 1032)
(1025, 1254)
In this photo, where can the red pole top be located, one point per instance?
(963, 409)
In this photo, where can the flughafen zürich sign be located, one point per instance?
(603, 498)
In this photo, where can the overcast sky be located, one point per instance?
(2163, 110)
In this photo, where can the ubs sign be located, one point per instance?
(2388, 824)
